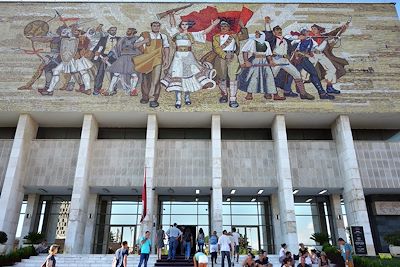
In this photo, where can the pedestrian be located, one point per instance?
(213, 240)
(51, 260)
(145, 248)
(200, 240)
(303, 262)
(282, 252)
(235, 237)
(262, 259)
(200, 259)
(249, 260)
(160, 236)
(187, 242)
(346, 251)
(121, 255)
(225, 247)
(173, 234)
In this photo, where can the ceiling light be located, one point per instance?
(309, 200)
(170, 190)
(197, 191)
(295, 191)
(197, 199)
(260, 191)
(323, 191)
(228, 199)
(233, 191)
(42, 190)
(105, 190)
(253, 199)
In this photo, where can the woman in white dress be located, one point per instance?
(185, 73)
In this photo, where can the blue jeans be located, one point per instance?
(187, 246)
(143, 257)
(173, 244)
(228, 256)
(201, 246)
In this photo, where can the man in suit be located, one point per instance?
(281, 51)
(105, 56)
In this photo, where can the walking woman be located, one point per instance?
(201, 240)
(186, 74)
(51, 260)
(160, 236)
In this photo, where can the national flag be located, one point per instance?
(144, 198)
(204, 17)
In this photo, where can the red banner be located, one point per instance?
(204, 17)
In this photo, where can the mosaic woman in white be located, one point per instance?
(185, 73)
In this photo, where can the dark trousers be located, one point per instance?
(101, 71)
(144, 257)
(308, 67)
(226, 254)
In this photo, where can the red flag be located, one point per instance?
(204, 17)
(144, 198)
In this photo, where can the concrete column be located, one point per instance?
(276, 223)
(337, 217)
(216, 195)
(90, 227)
(285, 188)
(12, 193)
(151, 142)
(353, 193)
(80, 193)
(30, 216)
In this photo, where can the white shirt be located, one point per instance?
(280, 47)
(222, 40)
(197, 36)
(308, 260)
(156, 36)
(224, 243)
(282, 252)
(250, 47)
(236, 238)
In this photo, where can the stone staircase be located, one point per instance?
(101, 260)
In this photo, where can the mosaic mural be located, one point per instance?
(199, 57)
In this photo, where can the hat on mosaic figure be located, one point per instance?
(320, 28)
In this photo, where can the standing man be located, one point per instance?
(155, 56)
(346, 251)
(224, 247)
(121, 255)
(226, 45)
(281, 51)
(173, 234)
(236, 237)
(123, 69)
(105, 56)
(145, 247)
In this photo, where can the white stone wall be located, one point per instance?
(314, 164)
(117, 163)
(248, 163)
(183, 163)
(5, 150)
(52, 162)
(379, 163)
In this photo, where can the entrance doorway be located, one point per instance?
(119, 233)
(250, 235)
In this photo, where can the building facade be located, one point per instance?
(73, 165)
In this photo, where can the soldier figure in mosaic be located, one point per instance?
(256, 73)
(281, 50)
(305, 48)
(227, 47)
(122, 69)
(328, 65)
(186, 74)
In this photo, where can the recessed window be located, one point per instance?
(122, 133)
(7, 132)
(184, 133)
(376, 135)
(309, 134)
(58, 133)
(246, 134)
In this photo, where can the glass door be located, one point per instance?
(122, 233)
(252, 237)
